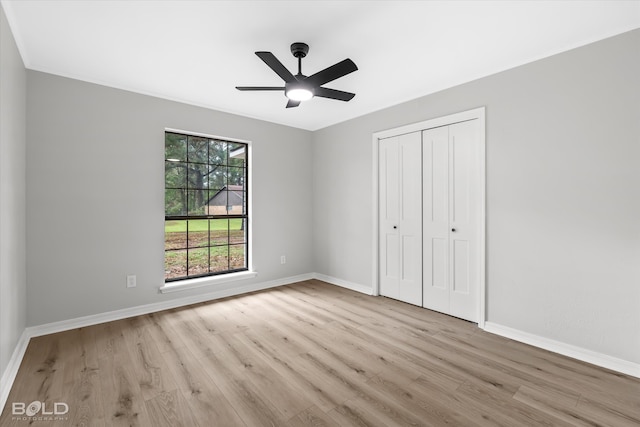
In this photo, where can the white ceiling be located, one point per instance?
(198, 51)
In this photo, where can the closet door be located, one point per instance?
(435, 186)
(464, 208)
(451, 219)
(400, 257)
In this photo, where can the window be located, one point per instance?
(205, 206)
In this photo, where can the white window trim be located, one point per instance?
(199, 282)
(183, 285)
(207, 135)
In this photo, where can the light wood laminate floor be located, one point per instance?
(311, 354)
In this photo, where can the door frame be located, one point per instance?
(474, 114)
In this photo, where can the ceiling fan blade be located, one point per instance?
(324, 92)
(259, 88)
(292, 103)
(273, 63)
(334, 72)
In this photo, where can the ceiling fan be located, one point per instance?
(300, 88)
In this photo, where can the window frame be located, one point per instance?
(231, 274)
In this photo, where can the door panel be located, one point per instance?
(393, 257)
(389, 210)
(411, 280)
(438, 170)
(410, 227)
(435, 199)
(461, 266)
(411, 179)
(464, 207)
(389, 178)
(449, 219)
(401, 218)
(460, 185)
(440, 265)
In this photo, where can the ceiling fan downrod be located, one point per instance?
(299, 50)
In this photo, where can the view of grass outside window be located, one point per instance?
(205, 206)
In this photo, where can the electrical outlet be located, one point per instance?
(283, 259)
(131, 281)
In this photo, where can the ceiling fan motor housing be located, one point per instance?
(299, 49)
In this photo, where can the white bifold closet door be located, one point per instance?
(400, 184)
(451, 227)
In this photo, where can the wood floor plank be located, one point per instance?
(609, 412)
(379, 357)
(252, 407)
(35, 373)
(311, 417)
(326, 306)
(161, 327)
(351, 414)
(419, 403)
(82, 379)
(109, 339)
(557, 369)
(146, 363)
(383, 411)
(312, 354)
(39, 378)
(205, 400)
(170, 409)
(202, 340)
(295, 311)
(122, 400)
(303, 378)
(319, 340)
(421, 352)
(217, 316)
(434, 392)
(560, 406)
(480, 396)
(267, 384)
(388, 407)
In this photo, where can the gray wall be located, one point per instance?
(95, 195)
(563, 193)
(13, 301)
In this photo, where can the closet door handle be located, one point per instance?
(395, 227)
(453, 229)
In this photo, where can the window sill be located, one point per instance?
(183, 285)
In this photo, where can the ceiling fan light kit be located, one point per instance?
(295, 93)
(300, 88)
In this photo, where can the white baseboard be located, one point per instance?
(94, 319)
(344, 283)
(9, 374)
(583, 354)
